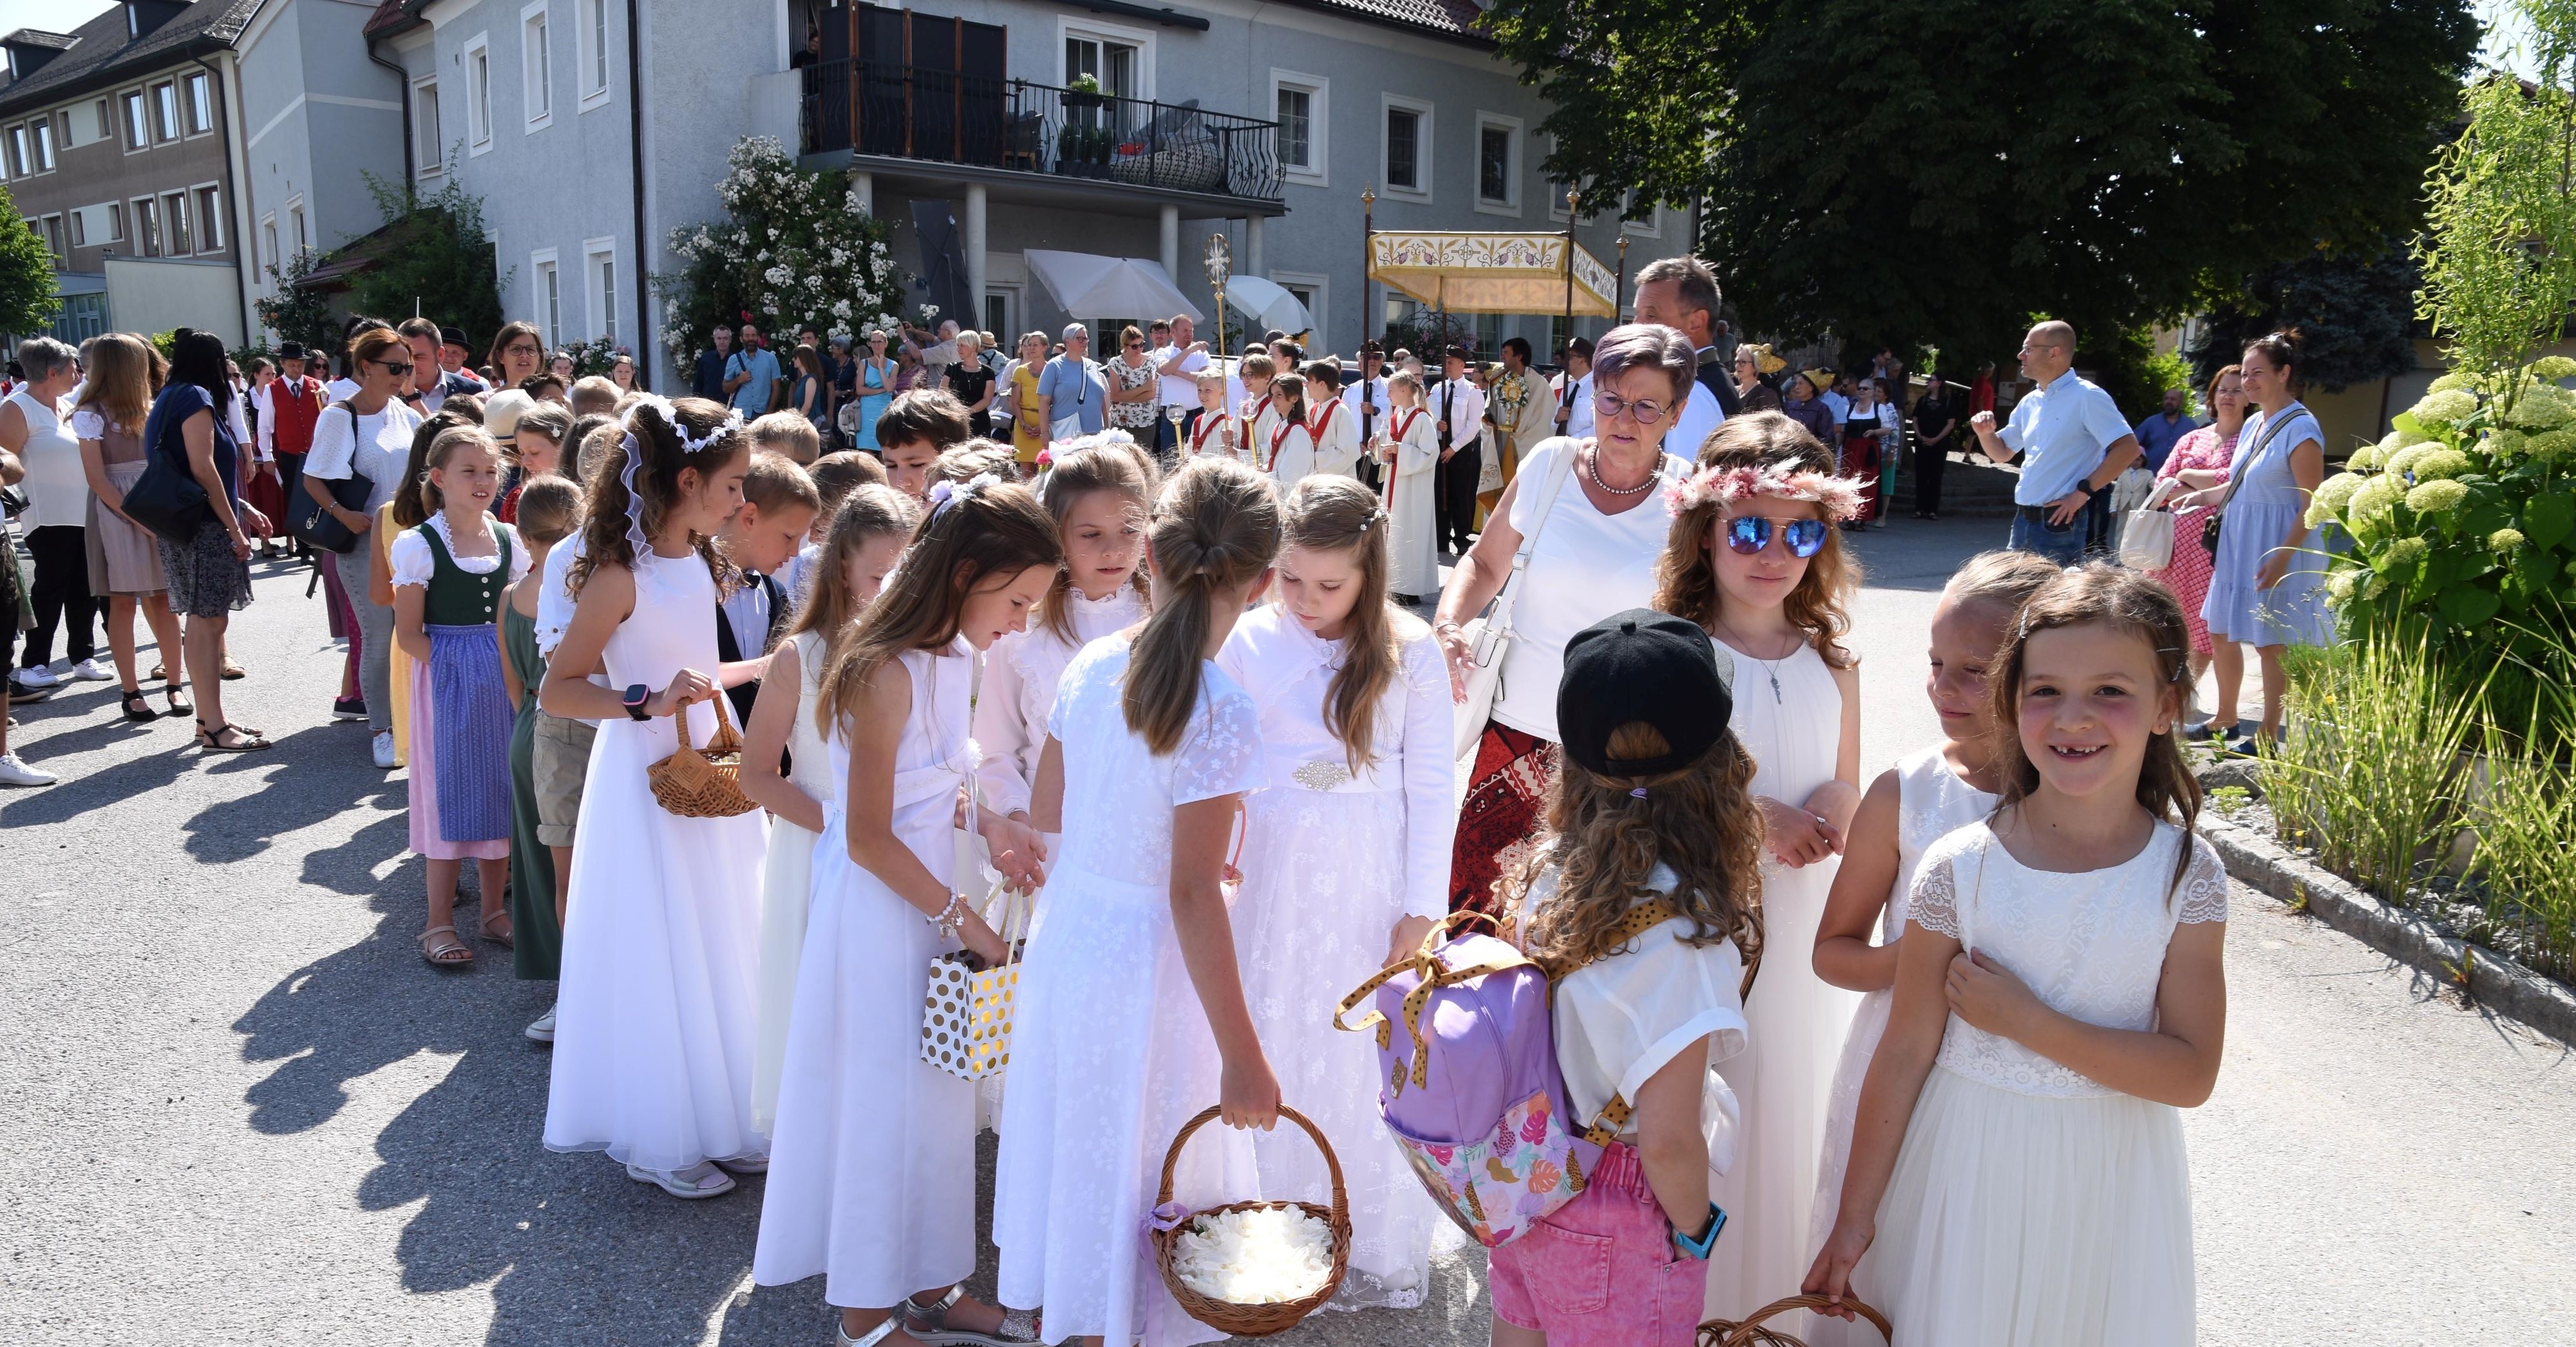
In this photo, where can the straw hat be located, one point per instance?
(1822, 379)
(1763, 361)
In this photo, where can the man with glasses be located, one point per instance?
(2075, 441)
(1073, 397)
(1460, 406)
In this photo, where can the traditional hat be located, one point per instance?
(1764, 362)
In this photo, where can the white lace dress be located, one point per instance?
(1110, 1051)
(1330, 861)
(1931, 803)
(872, 1167)
(1021, 673)
(1797, 1020)
(2032, 1206)
(786, 886)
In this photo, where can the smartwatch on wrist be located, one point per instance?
(1698, 1246)
(635, 699)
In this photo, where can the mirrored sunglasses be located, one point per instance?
(1747, 535)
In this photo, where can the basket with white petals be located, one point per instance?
(1253, 1268)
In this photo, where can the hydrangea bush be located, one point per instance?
(795, 248)
(2462, 517)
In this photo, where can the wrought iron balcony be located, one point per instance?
(898, 110)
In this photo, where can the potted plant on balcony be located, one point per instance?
(1083, 91)
(1083, 151)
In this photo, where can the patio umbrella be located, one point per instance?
(943, 265)
(1264, 304)
(1088, 285)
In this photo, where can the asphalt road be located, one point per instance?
(246, 1112)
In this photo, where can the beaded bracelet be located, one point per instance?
(951, 917)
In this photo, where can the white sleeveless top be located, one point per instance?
(1931, 803)
(57, 490)
(932, 757)
(2090, 945)
(809, 761)
(1585, 566)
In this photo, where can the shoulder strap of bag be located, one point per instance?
(1546, 503)
(2272, 426)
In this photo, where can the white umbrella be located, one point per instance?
(1088, 285)
(1264, 304)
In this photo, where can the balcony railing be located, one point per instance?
(891, 109)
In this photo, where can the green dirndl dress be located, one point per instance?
(537, 939)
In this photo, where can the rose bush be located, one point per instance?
(795, 248)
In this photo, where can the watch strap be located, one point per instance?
(1698, 1247)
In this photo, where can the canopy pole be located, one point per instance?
(1368, 233)
(1573, 211)
(1620, 286)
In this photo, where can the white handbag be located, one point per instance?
(1488, 639)
(2147, 533)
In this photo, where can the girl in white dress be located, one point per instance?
(1133, 1019)
(866, 537)
(1410, 449)
(1097, 492)
(1287, 448)
(1755, 559)
(654, 1015)
(873, 1164)
(1349, 833)
(1912, 805)
(2017, 1173)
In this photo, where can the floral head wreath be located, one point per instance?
(635, 455)
(1784, 480)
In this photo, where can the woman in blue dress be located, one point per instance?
(2266, 585)
(876, 389)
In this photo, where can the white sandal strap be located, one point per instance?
(874, 1335)
(955, 1293)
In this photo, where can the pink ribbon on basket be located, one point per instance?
(1166, 1218)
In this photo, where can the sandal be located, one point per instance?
(138, 708)
(233, 671)
(504, 936)
(928, 1324)
(244, 741)
(448, 953)
(179, 703)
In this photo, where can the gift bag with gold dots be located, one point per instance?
(966, 1014)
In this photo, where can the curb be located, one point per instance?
(2496, 982)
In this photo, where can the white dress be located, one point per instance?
(786, 882)
(872, 1170)
(1931, 803)
(1110, 1051)
(2030, 1204)
(654, 1016)
(1797, 1019)
(1021, 672)
(1413, 548)
(1330, 862)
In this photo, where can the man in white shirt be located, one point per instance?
(1459, 406)
(1574, 390)
(2075, 441)
(1364, 401)
(1177, 356)
(1680, 293)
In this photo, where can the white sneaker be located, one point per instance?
(91, 671)
(543, 1030)
(702, 1179)
(35, 678)
(14, 771)
(385, 749)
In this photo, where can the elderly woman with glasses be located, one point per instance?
(1592, 554)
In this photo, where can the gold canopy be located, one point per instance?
(1492, 273)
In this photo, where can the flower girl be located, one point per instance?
(1410, 451)
(653, 1017)
(1350, 832)
(866, 536)
(873, 1182)
(1149, 752)
(1912, 805)
(1754, 558)
(1098, 492)
(2017, 1172)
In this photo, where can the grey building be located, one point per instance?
(121, 144)
(318, 118)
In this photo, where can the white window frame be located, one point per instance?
(1142, 39)
(301, 231)
(536, 53)
(149, 233)
(57, 237)
(18, 155)
(103, 112)
(548, 308)
(116, 222)
(428, 120)
(188, 85)
(173, 223)
(1319, 121)
(209, 237)
(477, 59)
(1513, 172)
(600, 299)
(268, 241)
(134, 107)
(1321, 311)
(40, 136)
(153, 102)
(79, 227)
(1422, 162)
(591, 17)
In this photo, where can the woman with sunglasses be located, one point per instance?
(369, 435)
(1134, 388)
(1593, 554)
(1755, 560)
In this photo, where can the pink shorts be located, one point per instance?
(1602, 1271)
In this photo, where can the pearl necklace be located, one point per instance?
(1592, 469)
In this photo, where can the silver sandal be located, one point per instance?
(928, 1325)
(878, 1334)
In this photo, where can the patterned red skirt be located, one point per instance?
(1506, 803)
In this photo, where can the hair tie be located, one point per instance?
(1638, 794)
(947, 493)
(1374, 515)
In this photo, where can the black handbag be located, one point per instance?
(167, 501)
(315, 526)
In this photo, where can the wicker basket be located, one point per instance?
(1750, 1332)
(1255, 1321)
(708, 784)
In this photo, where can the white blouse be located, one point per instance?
(1021, 672)
(1289, 672)
(1586, 566)
(1621, 1019)
(57, 488)
(376, 447)
(414, 563)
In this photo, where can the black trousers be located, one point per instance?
(1453, 498)
(1929, 460)
(60, 593)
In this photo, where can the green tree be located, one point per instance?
(28, 301)
(1931, 173)
(433, 257)
(295, 311)
(2354, 313)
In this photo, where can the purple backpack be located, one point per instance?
(1472, 1089)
